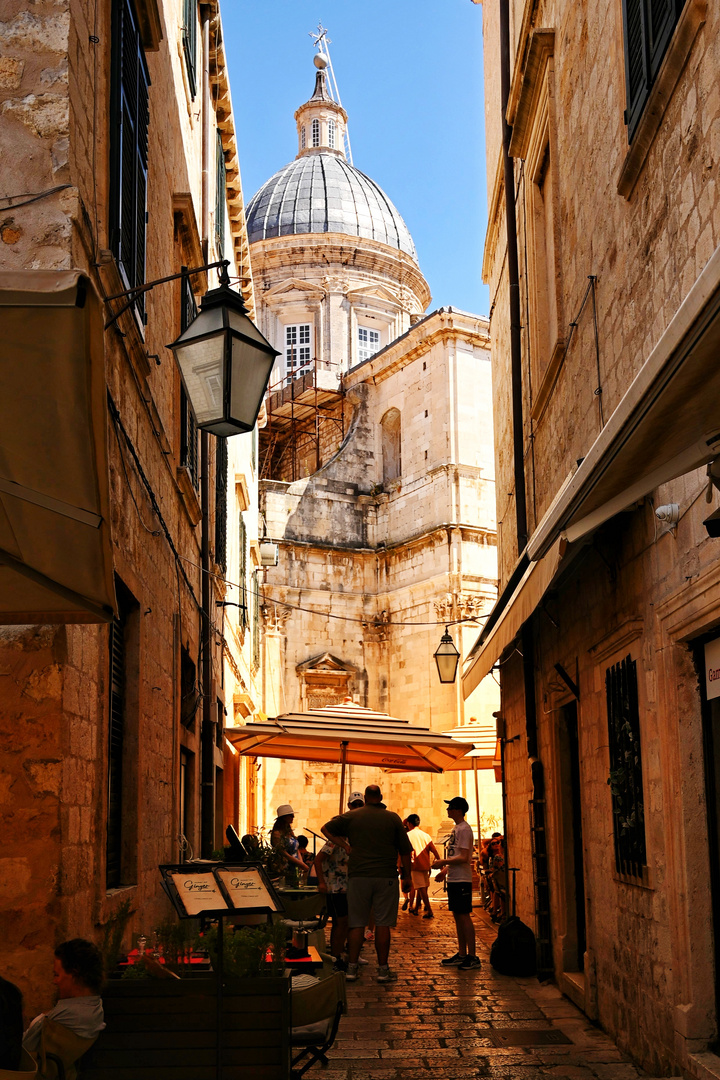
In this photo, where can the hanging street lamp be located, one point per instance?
(447, 658)
(225, 363)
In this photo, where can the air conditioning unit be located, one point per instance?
(269, 553)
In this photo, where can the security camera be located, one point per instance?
(669, 513)
(712, 524)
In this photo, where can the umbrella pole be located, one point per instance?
(343, 762)
(477, 801)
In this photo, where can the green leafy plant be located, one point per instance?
(245, 950)
(174, 937)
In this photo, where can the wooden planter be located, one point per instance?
(166, 1030)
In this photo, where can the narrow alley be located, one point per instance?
(443, 1023)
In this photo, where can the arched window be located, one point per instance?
(331, 134)
(316, 132)
(390, 425)
(302, 137)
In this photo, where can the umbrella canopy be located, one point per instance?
(484, 752)
(349, 734)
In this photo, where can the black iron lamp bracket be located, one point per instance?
(137, 290)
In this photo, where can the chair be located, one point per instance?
(306, 913)
(316, 1013)
(60, 1050)
(26, 1070)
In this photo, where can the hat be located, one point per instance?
(356, 796)
(458, 803)
(284, 810)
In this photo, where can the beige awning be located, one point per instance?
(529, 592)
(666, 424)
(351, 733)
(55, 551)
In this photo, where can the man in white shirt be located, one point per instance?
(423, 848)
(459, 885)
(78, 975)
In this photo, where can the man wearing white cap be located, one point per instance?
(331, 867)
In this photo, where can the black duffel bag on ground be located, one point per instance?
(514, 951)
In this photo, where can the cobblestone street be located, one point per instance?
(436, 1022)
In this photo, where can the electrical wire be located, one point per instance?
(31, 196)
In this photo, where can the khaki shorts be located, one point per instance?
(420, 879)
(378, 896)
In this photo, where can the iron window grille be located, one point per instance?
(188, 424)
(221, 494)
(625, 778)
(129, 121)
(189, 42)
(117, 730)
(220, 195)
(648, 27)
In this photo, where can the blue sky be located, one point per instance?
(410, 77)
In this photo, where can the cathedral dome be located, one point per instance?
(322, 193)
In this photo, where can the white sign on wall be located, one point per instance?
(712, 669)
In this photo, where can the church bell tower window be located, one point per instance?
(302, 137)
(331, 134)
(298, 350)
(368, 343)
(316, 132)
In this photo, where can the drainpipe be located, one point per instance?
(207, 737)
(514, 285)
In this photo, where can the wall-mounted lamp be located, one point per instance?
(269, 554)
(447, 658)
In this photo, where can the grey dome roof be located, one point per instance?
(319, 193)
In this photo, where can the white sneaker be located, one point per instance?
(385, 975)
(362, 962)
(352, 972)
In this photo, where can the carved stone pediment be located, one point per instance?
(293, 290)
(325, 664)
(374, 296)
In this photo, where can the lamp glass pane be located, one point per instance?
(206, 322)
(447, 658)
(250, 374)
(201, 365)
(244, 325)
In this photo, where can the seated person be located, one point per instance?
(77, 974)
(11, 1025)
(309, 859)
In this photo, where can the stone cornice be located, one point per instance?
(351, 252)
(442, 326)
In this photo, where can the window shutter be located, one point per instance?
(636, 73)
(115, 752)
(220, 196)
(256, 623)
(221, 489)
(243, 574)
(189, 42)
(129, 148)
(661, 23)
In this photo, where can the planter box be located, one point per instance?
(166, 1030)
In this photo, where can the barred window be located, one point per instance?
(625, 778)
(648, 26)
(129, 119)
(119, 831)
(189, 42)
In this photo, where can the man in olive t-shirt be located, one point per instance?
(375, 837)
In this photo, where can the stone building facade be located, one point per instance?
(110, 115)
(607, 430)
(377, 473)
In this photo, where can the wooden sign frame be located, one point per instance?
(223, 897)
